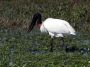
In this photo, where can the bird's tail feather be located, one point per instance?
(71, 29)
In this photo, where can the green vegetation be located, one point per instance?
(18, 48)
(18, 13)
(21, 49)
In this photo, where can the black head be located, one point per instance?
(36, 19)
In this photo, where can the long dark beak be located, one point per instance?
(31, 26)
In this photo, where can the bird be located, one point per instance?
(54, 27)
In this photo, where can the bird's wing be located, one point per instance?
(70, 28)
(58, 26)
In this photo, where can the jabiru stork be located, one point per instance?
(55, 27)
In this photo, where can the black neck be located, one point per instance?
(37, 18)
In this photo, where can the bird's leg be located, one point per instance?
(63, 44)
(51, 45)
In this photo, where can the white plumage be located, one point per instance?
(57, 27)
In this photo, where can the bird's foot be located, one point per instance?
(63, 46)
(51, 50)
(71, 49)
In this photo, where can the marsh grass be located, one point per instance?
(18, 13)
(18, 48)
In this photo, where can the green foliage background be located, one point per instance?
(18, 13)
(18, 48)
